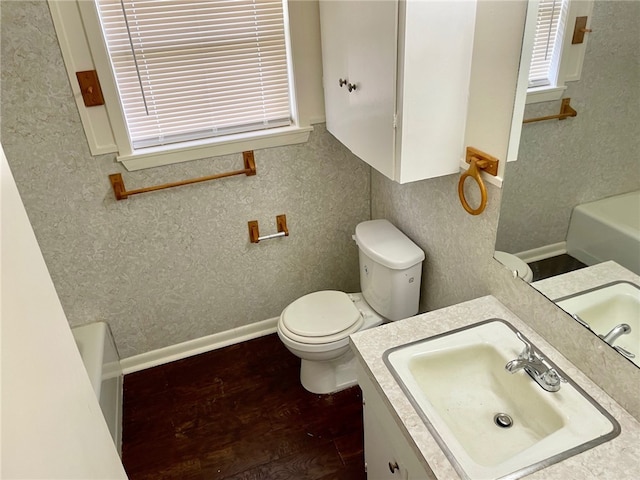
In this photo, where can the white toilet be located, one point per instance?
(316, 327)
(515, 264)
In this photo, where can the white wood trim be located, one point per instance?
(542, 253)
(571, 68)
(545, 94)
(77, 58)
(96, 44)
(198, 345)
(165, 155)
(497, 48)
(523, 81)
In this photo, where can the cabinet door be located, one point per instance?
(334, 21)
(379, 452)
(359, 44)
(387, 453)
(372, 68)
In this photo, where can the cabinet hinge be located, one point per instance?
(395, 120)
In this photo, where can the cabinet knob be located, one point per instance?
(351, 87)
(342, 82)
(393, 467)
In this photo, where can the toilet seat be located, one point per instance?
(515, 264)
(321, 317)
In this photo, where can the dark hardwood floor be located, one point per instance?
(552, 266)
(239, 413)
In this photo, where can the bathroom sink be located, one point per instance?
(489, 422)
(603, 308)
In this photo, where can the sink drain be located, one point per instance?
(503, 420)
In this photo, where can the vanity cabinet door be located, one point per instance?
(359, 48)
(387, 452)
(380, 456)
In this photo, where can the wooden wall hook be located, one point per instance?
(478, 161)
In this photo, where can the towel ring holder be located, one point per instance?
(478, 161)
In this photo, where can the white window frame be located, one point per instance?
(572, 55)
(79, 33)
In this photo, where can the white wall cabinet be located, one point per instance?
(396, 80)
(387, 453)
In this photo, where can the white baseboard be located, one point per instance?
(542, 253)
(199, 345)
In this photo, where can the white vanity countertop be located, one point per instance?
(584, 279)
(617, 459)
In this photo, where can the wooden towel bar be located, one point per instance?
(566, 111)
(117, 183)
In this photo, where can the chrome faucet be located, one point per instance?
(617, 331)
(537, 366)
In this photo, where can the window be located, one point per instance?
(554, 59)
(540, 45)
(186, 80)
(547, 44)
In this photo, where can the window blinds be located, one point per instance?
(547, 47)
(188, 70)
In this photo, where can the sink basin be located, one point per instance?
(605, 307)
(489, 422)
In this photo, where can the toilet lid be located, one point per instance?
(322, 314)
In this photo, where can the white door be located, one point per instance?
(359, 48)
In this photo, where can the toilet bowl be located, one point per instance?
(317, 326)
(515, 264)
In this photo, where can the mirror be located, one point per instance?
(595, 155)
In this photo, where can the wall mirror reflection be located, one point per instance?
(570, 213)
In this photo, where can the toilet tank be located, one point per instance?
(390, 269)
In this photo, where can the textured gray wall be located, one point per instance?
(594, 155)
(170, 266)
